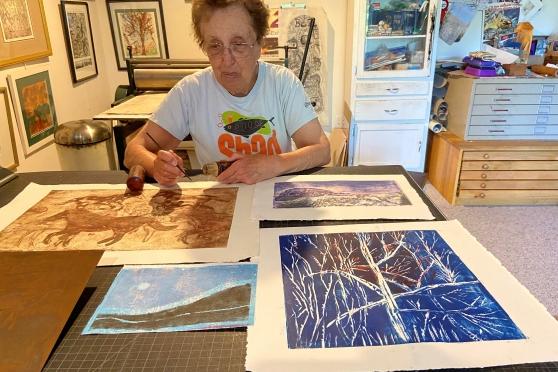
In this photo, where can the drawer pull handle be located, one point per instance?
(486, 156)
(483, 176)
(483, 185)
(502, 100)
(481, 195)
(393, 90)
(392, 112)
(501, 110)
(504, 89)
(496, 131)
(485, 166)
(498, 121)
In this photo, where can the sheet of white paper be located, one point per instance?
(267, 339)
(339, 197)
(501, 55)
(242, 240)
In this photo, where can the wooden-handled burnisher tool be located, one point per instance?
(215, 169)
(136, 179)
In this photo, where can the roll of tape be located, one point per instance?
(435, 126)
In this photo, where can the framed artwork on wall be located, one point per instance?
(23, 31)
(139, 25)
(8, 150)
(33, 101)
(79, 40)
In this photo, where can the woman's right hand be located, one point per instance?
(166, 168)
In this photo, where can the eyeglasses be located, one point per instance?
(238, 50)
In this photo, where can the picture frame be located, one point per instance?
(23, 31)
(124, 16)
(8, 149)
(79, 40)
(34, 108)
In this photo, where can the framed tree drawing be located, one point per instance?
(24, 33)
(34, 107)
(79, 40)
(139, 25)
(8, 151)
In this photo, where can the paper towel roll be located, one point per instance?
(436, 127)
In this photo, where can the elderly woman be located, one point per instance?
(239, 109)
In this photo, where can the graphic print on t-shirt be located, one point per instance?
(247, 135)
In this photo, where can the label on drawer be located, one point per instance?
(540, 130)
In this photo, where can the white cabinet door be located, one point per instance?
(388, 144)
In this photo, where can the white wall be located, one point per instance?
(544, 22)
(72, 101)
(88, 98)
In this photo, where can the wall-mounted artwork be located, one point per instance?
(8, 149)
(139, 25)
(33, 100)
(79, 40)
(196, 222)
(294, 25)
(174, 298)
(24, 33)
(500, 21)
(397, 296)
(334, 197)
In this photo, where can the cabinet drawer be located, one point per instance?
(392, 88)
(396, 110)
(507, 197)
(509, 175)
(509, 165)
(518, 99)
(510, 155)
(514, 120)
(502, 110)
(538, 88)
(509, 185)
(513, 130)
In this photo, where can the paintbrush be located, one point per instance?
(160, 148)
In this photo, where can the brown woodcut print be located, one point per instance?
(118, 220)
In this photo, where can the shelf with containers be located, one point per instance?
(388, 85)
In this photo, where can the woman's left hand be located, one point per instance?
(250, 169)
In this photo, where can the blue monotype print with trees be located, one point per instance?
(384, 288)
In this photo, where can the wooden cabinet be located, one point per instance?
(502, 108)
(494, 172)
(388, 85)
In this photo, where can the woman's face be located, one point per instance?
(230, 43)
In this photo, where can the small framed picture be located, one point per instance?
(8, 150)
(79, 40)
(33, 101)
(23, 31)
(139, 25)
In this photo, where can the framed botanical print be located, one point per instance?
(23, 31)
(79, 40)
(139, 25)
(8, 150)
(33, 101)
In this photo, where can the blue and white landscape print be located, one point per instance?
(177, 298)
(316, 194)
(384, 288)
